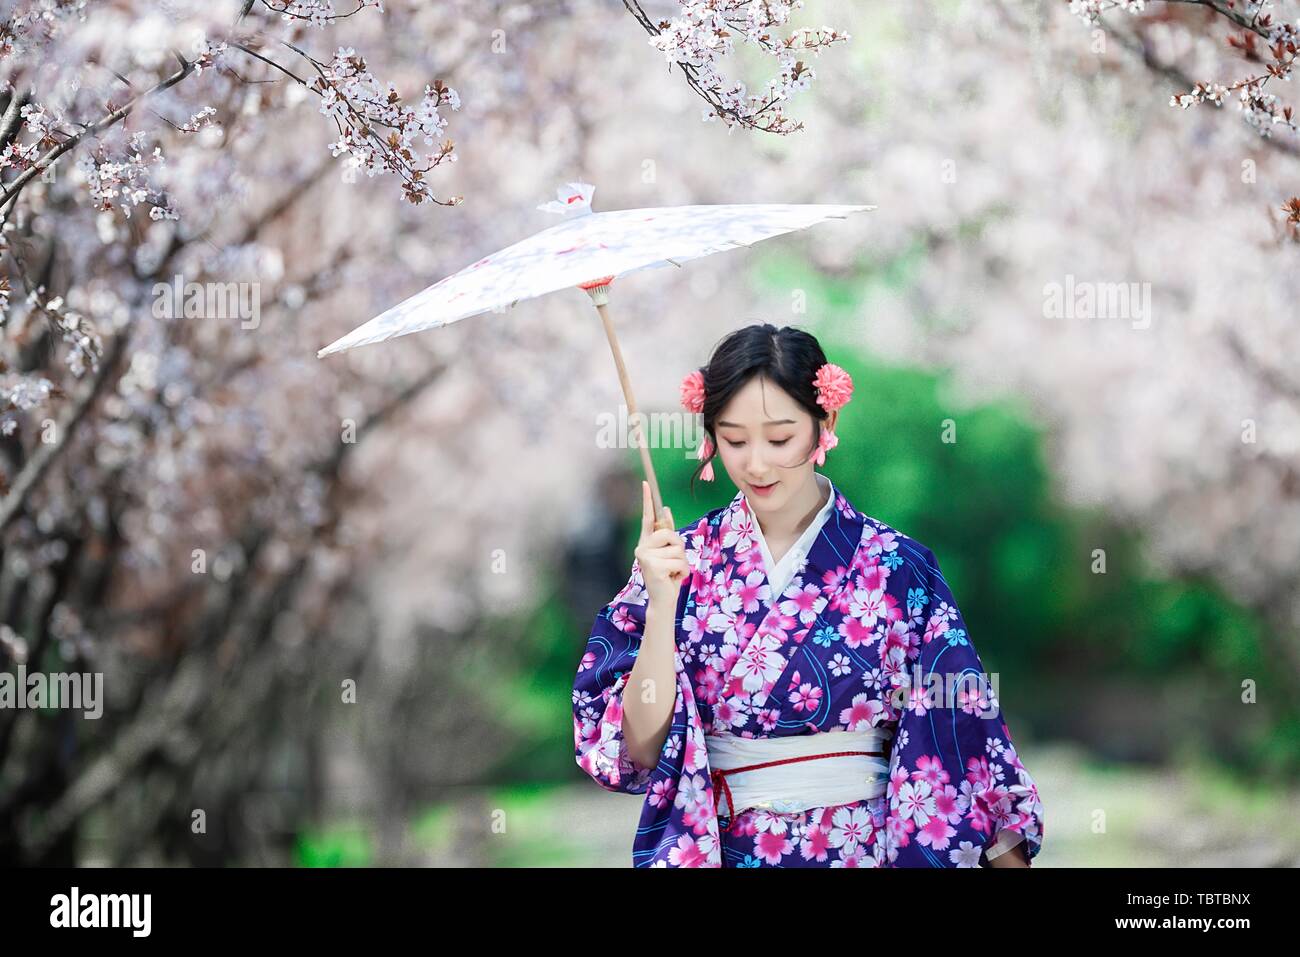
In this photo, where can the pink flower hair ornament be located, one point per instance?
(834, 389)
(693, 392)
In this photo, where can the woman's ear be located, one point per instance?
(830, 423)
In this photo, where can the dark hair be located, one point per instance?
(787, 357)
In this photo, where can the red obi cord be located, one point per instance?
(719, 778)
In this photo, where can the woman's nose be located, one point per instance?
(755, 460)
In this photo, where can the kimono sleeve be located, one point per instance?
(957, 790)
(598, 688)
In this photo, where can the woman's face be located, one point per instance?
(764, 440)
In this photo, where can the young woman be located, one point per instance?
(788, 680)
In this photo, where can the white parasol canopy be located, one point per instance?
(589, 250)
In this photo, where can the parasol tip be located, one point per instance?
(572, 198)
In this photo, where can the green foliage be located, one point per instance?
(337, 846)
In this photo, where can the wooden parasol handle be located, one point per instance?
(599, 291)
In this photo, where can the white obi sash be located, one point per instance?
(822, 778)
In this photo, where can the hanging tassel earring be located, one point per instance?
(706, 452)
(693, 401)
(827, 442)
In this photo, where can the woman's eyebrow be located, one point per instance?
(734, 425)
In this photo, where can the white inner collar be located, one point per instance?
(780, 574)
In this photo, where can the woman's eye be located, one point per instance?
(738, 445)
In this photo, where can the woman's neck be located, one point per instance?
(789, 523)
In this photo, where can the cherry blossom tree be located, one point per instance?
(1180, 39)
(702, 35)
(167, 517)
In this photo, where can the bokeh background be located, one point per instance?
(338, 604)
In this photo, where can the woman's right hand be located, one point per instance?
(662, 556)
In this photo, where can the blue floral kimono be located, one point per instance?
(867, 633)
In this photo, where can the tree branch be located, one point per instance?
(15, 187)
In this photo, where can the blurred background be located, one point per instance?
(337, 604)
